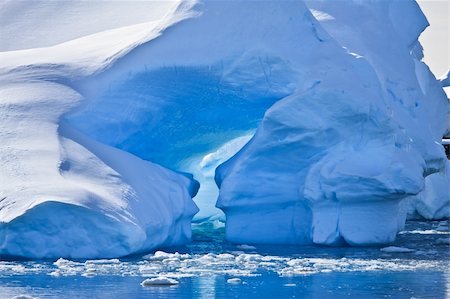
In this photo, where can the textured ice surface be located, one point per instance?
(348, 122)
(210, 255)
(175, 265)
(333, 161)
(61, 193)
(159, 281)
(434, 201)
(235, 280)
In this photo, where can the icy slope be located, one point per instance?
(348, 123)
(36, 24)
(198, 86)
(62, 194)
(333, 162)
(395, 26)
(175, 105)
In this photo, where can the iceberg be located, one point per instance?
(316, 120)
(159, 281)
(433, 202)
(332, 163)
(63, 194)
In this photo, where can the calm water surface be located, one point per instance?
(203, 268)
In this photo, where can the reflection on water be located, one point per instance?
(381, 284)
(203, 268)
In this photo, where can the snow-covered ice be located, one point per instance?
(434, 201)
(208, 262)
(317, 119)
(235, 280)
(334, 161)
(62, 193)
(159, 281)
(232, 265)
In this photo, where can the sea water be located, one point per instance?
(209, 267)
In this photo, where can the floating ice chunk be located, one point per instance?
(434, 201)
(61, 262)
(425, 232)
(90, 272)
(103, 261)
(157, 256)
(234, 280)
(56, 273)
(165, 256)
(23, 297)
(159, 281)
(395, 249)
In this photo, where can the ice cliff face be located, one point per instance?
(346, 120)
(333, 162)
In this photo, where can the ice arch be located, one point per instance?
(291, 169)
(185, 94)
(304, 175)
(176, 116)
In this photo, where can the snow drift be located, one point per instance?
(61, 193)
(348, 122)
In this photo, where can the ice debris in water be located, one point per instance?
(161, 255)
(90, 272)
(159, 281)
(348, 138)
(396, 249)
(176, 265)
(234, 280)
